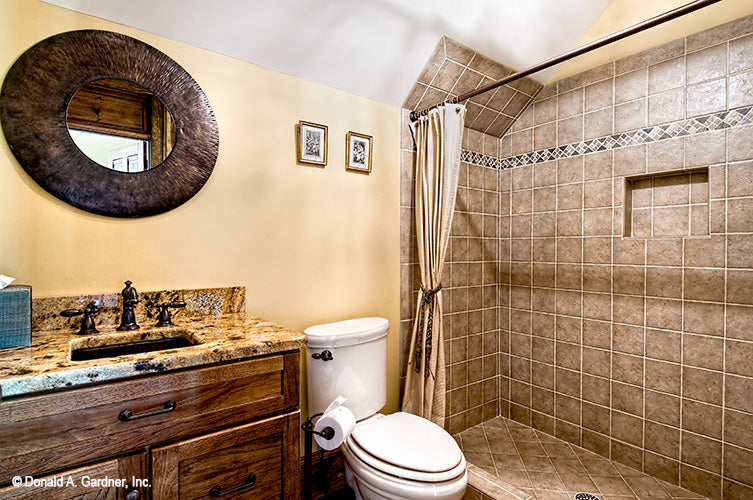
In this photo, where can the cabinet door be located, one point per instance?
(252, 461)
(109, 480)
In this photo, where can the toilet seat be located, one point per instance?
(406, 446)
(373, 484)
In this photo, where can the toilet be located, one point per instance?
(397, 456)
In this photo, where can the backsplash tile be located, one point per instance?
(199, 302)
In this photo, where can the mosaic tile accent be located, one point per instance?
(480, 159)
(691, 126)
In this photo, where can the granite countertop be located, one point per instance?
(46, 365)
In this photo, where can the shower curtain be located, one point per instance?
(438, 139)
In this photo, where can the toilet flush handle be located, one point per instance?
(324, 355)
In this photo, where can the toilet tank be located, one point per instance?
(357, 369)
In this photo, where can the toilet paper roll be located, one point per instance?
(341, 420)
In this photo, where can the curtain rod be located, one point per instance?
(619, 35)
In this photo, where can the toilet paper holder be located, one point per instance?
(308, 428)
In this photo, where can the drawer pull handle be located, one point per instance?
(127, 415)
(217, 492)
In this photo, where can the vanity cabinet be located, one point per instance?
(198, 428)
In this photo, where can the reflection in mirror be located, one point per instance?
(120, 125)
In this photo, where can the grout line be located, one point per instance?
(582, 280)
(724, 325)
(682, 373)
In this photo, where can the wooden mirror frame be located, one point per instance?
(33, 105)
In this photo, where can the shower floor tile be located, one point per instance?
(509, 461)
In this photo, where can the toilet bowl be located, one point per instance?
(397, 456)
(403, 456)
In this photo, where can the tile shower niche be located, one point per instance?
(667, 204)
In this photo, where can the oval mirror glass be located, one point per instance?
(120, 125)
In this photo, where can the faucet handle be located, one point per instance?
(69, 313)
(87, 324)
(90, 308)
(164, 312)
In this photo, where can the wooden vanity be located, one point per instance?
(214, 429)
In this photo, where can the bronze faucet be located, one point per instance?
(130, 299)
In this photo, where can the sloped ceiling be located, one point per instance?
(372, 48)
(621, 14)
(378, 48)
(455, 69)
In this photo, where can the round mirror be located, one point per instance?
(120, 125)
(40, 113)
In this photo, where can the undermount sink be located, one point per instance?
(134, 342)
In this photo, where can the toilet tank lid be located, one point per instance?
(348, 332)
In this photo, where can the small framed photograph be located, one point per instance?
(311, 143)
(358, 152)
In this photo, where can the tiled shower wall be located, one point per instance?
(635, 343)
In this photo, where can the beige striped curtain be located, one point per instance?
(438, 139)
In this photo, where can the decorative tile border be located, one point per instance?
(481, 160)
(691, 126)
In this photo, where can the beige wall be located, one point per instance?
(621, 14)
(310, 244)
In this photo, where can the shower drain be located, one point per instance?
(586, 496)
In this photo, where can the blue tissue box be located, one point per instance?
(15, 316)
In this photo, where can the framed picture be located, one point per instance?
(311, 143)
(358, 152)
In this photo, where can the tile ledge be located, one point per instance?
(493, 486)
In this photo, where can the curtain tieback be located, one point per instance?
(428, 295)
(425, 327)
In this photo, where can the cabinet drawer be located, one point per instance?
(52, 431)
(91, 481)
(253, 461)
